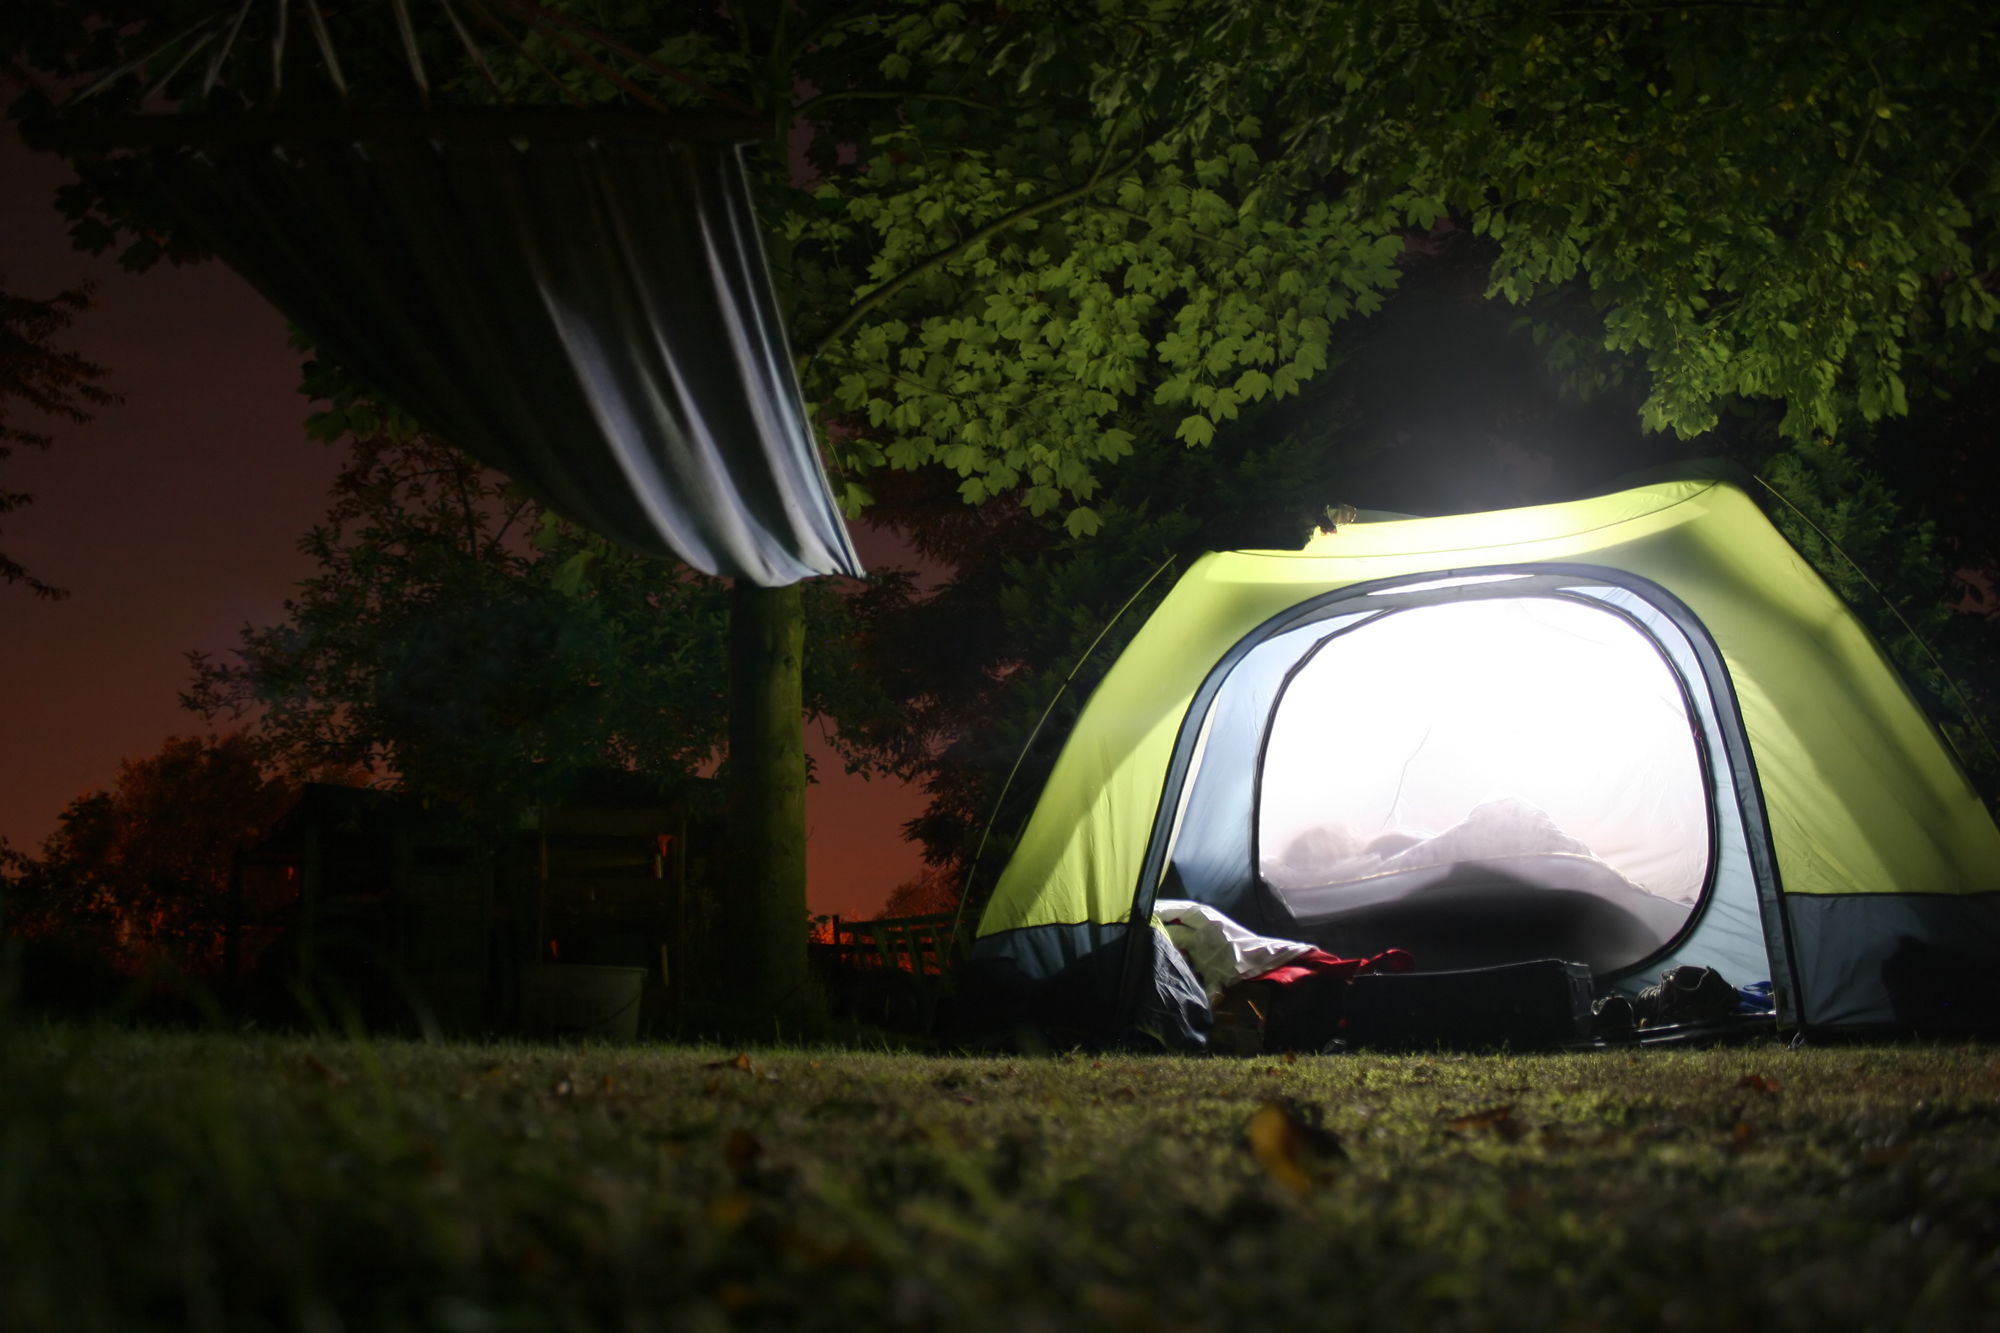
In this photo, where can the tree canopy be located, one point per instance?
(137, 875)
(1102, 269)
(1036, 232)
(460, 640)
(52, 383)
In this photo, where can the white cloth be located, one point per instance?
(1500, 828)
(1222, 952)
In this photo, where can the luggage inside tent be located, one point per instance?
(1635, 731)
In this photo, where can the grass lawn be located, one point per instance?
(209, 1181)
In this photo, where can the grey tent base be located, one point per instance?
(1897, 962)
(1070, 984)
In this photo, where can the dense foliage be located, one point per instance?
(461, 640)
(137, 877)
(1035, 230)
(50, 383)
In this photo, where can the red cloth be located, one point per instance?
(1319, 963)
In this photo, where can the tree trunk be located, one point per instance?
(768, 985)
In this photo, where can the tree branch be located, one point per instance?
(539, 17)
(811, 36)
(1972, 150)
(1635, 11)
(1022, 408)
(893, 97)
(860, 309)
(1212, 237)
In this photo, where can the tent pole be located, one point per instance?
(1971, 716)
(965, 887)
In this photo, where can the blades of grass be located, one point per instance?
(354, 1028)
(309, 1005)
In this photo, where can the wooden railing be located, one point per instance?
(916, 951)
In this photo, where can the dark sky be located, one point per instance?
(173, 520)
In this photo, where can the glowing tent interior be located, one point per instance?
(1635, 731)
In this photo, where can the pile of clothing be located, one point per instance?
(1685, 996)
(1266, 994)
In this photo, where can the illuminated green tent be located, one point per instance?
(1636, 730)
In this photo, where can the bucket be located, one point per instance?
(575, 1000)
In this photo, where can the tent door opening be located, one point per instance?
(1481, 767)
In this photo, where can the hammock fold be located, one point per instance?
(591, 315)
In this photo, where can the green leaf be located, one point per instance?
(575, 574)
(1083, 522)
(1197, 430)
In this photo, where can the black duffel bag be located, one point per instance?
(1541, 1004)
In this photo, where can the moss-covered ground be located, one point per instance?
(212, 1181)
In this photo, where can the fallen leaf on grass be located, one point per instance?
(678, 1138)
(433, 1161)
(1288, 1142)
(325, 1070)
(1759, 1083)
(1499, 1119)
(741, 1064)
(742, 1149)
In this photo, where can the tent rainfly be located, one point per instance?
(1636, 731)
